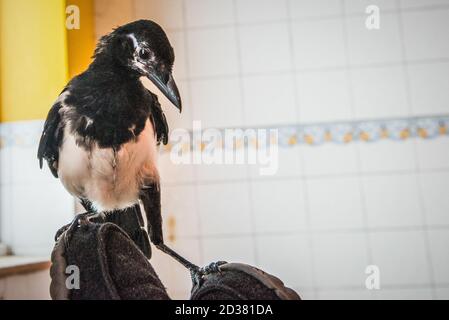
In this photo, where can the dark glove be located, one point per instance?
(110, 266)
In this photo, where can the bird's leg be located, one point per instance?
(186, 263)
(151, 199)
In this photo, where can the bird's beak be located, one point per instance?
(167, 86)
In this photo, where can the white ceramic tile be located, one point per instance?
(442, 293)
(25, 166)
(292, 263)
(340, 259)
(224, 208)
(401, 257)
(335, 203)
(230, 249)
(392, 200)
(217, 102)
(212, 52)
(318, 44)
(305, 294)
(387, 155)
(269, 100)
(6, 214)
(288, 164)
(177, 41)
(278, 205)
(439, 241)
(421, 3)
(5, 154)
(265, 48)
(340, 294)
(316, 8)
(221, 172)
(434, 188)
(175, 119)
(5, 165)
(267, 10)
(173, 173)
(269, 161)
(359, 6)
(375, 45)
(433, 153)
(173, 275)
(323, 96)
(26, 132)
(23, 139)
(178, 119)
(379, 92)
(220, 164)
(404, 294)
(31, 205)
(180, 211)
(425, 34)
(429, 86)
(200, 13)
(167, 13)
(329, 159)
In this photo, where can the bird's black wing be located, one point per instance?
(51, 139)
(158, 120)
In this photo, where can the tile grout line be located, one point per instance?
(311, 177)
(194, 169)
(359, 174)
(309, 18)
(325, 231)
(372, 65)
(305, 192)
(324, 176)
(406, 77)
(248, 180)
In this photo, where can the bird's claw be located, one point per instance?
(81, 219)
(61, 231)
(198, 274)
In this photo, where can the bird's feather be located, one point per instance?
(51, 137)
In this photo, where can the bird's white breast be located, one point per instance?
(109, 179)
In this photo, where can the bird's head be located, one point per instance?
(142, 47)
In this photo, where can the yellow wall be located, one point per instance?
(33, 66)
(38, 55)
(81, 42)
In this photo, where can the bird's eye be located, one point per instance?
(144, 54)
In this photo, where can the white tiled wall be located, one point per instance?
(331, 210)
(33, 203)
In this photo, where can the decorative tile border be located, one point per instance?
(21, 133)
(347, 132)
(27, 133)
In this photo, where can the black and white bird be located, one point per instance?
(100, 137)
